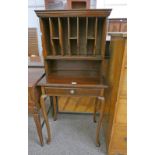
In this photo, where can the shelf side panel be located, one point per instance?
(44, 25)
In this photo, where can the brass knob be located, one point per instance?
(101, 98)
(72, 91)
(74, 83)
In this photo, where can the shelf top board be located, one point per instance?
(35, 61)
(73, 13)
(34, 75)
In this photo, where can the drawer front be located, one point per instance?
(121, 114)
(72, 92)
(119, 140)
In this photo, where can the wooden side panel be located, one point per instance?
(123, 86)
(114, 78)
(121, 113)
(119, 141)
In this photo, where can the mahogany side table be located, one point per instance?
(54, 90)
(34, 104)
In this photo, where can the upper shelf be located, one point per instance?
(73, 58)
(73, 32)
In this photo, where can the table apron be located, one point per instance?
(51, 91)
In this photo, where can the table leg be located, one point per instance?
(55, 108)
(100, 121)
(95, 107)
(44, 112)
(37, 121)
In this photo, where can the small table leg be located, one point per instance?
(95, 107)
(100, 121)
(44, 112)
(37, 121)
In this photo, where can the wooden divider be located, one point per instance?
(96, 23)
(69, 48)
(86, 33)
(60, 36)
(51, 35)
(77, 35)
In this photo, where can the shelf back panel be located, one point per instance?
(68, 71)
(80, 65)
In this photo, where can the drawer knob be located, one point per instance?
(74, 83)
(101, 98)
(72, 91)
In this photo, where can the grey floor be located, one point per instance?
(72, 134)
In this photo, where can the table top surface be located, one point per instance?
(35, 75)
(55, 82)
(35, 61)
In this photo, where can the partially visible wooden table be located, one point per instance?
(35, 62)
(34, 105)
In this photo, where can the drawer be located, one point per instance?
(72, 91)
(119, 140)
(121, 113)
